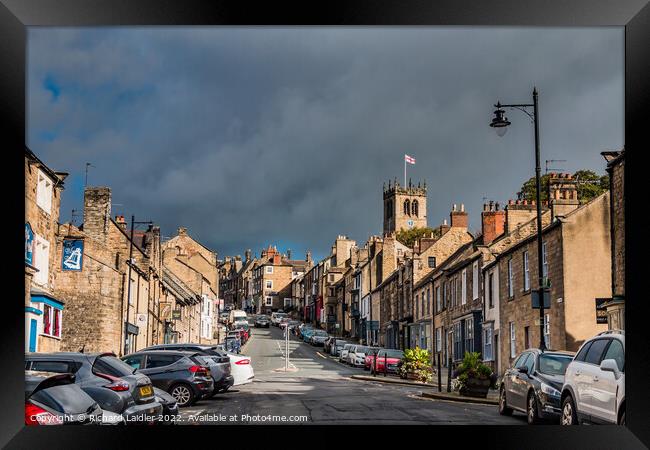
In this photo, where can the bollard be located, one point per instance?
(439, 375)
(449, 375)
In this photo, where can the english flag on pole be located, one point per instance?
(409, 159)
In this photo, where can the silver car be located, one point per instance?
(344, 352)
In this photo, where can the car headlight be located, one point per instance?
(550, 390)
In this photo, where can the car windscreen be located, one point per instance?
(361, 349)
(554, 364)
(67, 398)
(111, 365)
(341, 343)
(392, 354)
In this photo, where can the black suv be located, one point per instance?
(219, 365)
(181, 374)
(106, 379)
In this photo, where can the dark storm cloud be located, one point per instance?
(250, 136)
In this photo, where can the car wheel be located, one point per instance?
(621, 420)
(569, 416)
(183, 394)
(503, 404)
(531, 410)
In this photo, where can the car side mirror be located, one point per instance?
(523, 369)
(609, 365)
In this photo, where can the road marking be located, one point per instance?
(324, 357)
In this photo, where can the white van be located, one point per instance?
(276, 317)
(236, 314)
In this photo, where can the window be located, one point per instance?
(469, 335)
(269, 284)
(432, 262)
(445, 294)
(269, 301)
(526, 273)
(453, 292)
(513, 346)
(53, 366)
(417, 301)
(428, 300)
(407, 207)
(463, 289)
(438, 299)
(475, 280)
(269, 269)
(544, 261)
(617, 353)
(521, 361)
(41, 259)
(487, 344)
(458, 354)
(511, 287)
(526, 337)
(161, 360)
(51, 321)
(490, 290)
(530, 363)
(414, 208)
(44, 192)
(596, 351)
(583, 352)
(134, 361)
(438, 339)
(547, 331)
(331, 277)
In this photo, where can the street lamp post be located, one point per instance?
(500, 124)
(128, 295)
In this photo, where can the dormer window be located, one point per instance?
(44, 192)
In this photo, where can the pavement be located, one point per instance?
(319, 390)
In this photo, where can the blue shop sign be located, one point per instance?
(72, 254)
(29, 243)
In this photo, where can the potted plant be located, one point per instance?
(474, 379)
(416, 365)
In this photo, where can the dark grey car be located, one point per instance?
(106, 379)
(181, 374)
(219, 365)
(54, 399)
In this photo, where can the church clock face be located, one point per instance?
(410, 223)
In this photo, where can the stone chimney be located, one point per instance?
(277, 259)
(248, 255)
(493, 222)
(562, 194)
(444, 227)
(308, 256)
(97, 212)
(518, 212)
(182, 231)
(458, 217)
(121, 221)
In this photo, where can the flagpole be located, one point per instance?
(404, 170)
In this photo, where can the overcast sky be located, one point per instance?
(257, 136)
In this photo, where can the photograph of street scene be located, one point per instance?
(310, 225)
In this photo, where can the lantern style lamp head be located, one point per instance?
(500, 122)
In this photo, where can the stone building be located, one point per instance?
(107, 311)
(272, 276)
(196, 266)
(615, 308)
(44, 322)
(576, 265)
(405, 207)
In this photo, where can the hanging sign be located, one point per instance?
(72, 254)
(29, 243)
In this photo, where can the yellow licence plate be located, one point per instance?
(145, 391)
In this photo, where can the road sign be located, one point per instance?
(534, 296)
(601, 311)
(176, 314)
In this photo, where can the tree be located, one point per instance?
(590, 186)
(409, 237)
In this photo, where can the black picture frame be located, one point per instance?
(634, 15)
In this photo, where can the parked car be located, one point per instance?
(241, 368)
(244, 331)
(370, 357)
(357, 355)
(387, 360)
(533, 384)
(283, 322)
(169, 407)
(302, 328)
(262, 322)
(293, 325)
(276, 316)
(180, 373)
(327, 345)
(594, 383)
(343, 354)
(318, 337)
(337, 347)
(54, 399)
(306, 334)
(236, 314)
(115, 386)
(220, 366)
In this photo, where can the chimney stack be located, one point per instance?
(562, 194)
(492, 222)
(248, 255)
(457, 217)
(97, 212)
(182, 231)
(121, 222)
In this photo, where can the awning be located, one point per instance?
(42, 297)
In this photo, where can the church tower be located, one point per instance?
(405, 207)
